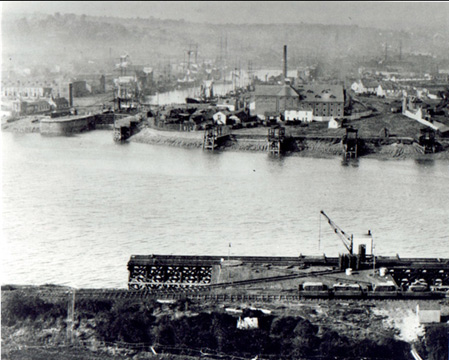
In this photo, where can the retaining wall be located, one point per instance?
(64, 126)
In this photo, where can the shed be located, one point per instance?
(239, 116)
(334, 123)
(248, 323)
(221, 117)
(428, 312)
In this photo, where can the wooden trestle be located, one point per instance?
(196, 273)
(276, 136)
(213, 134)
(350, 143)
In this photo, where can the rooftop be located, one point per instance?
(322, 93)
(275, 90)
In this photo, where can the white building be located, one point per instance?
(248, 323)
(334, 124)
(428, 313)
(299, 115)
(220, 117)
(388, 89)
(365, 87)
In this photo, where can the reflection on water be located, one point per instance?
(75, 209)
(349, 161)
(425, 162)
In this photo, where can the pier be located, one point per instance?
(427, 140)
(67, 125)
(350, 143)
(214, 136)
(265, 273)
(126, 127)
(276, 136)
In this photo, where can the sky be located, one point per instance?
(392, 15)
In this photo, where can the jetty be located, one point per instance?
(67, 125)
(214, 136)
(276, 136)
(126, 127)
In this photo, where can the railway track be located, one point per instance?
(204, 296)
(217, 260)
(274, 279)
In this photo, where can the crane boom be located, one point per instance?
(346, 239)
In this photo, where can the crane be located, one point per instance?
(346, 239)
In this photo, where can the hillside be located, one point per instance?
(34, 325)
(72, 41)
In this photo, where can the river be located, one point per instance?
(179, 96)
(75, 208)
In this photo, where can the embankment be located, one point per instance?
(170, 138)
(298, 146)
(238, 141)
(36, 319)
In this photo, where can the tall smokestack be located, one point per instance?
(285, 62)
(71, 94)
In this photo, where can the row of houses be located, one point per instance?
(27, 90)
(35, 90)
(381, 89)
(388, 89)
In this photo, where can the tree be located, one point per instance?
(437, 342)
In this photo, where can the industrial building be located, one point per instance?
(273, 100)
(326, 101)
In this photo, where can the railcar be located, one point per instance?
(418, 289)
(384, 290)
(347, 291)
(314, 290)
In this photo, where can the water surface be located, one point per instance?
(75, 208)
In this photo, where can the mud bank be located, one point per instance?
(293, 147)
(169, 138)
(257, 143)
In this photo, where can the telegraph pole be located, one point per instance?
(71, 316)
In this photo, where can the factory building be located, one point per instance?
(326, 101)
(275, 99)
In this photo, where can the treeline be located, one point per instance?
(177, 326)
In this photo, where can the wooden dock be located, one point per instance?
(350, 143)
(276, 136)
(126, 127)
(214, 136)
(198, 273)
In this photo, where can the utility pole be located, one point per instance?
(372, 250)
(71, 316)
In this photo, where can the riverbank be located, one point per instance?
(34, 322)
(302, 142)
(255, 140)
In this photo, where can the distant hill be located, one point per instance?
(63, 39)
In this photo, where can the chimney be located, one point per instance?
(71, 95)
(285, 62)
